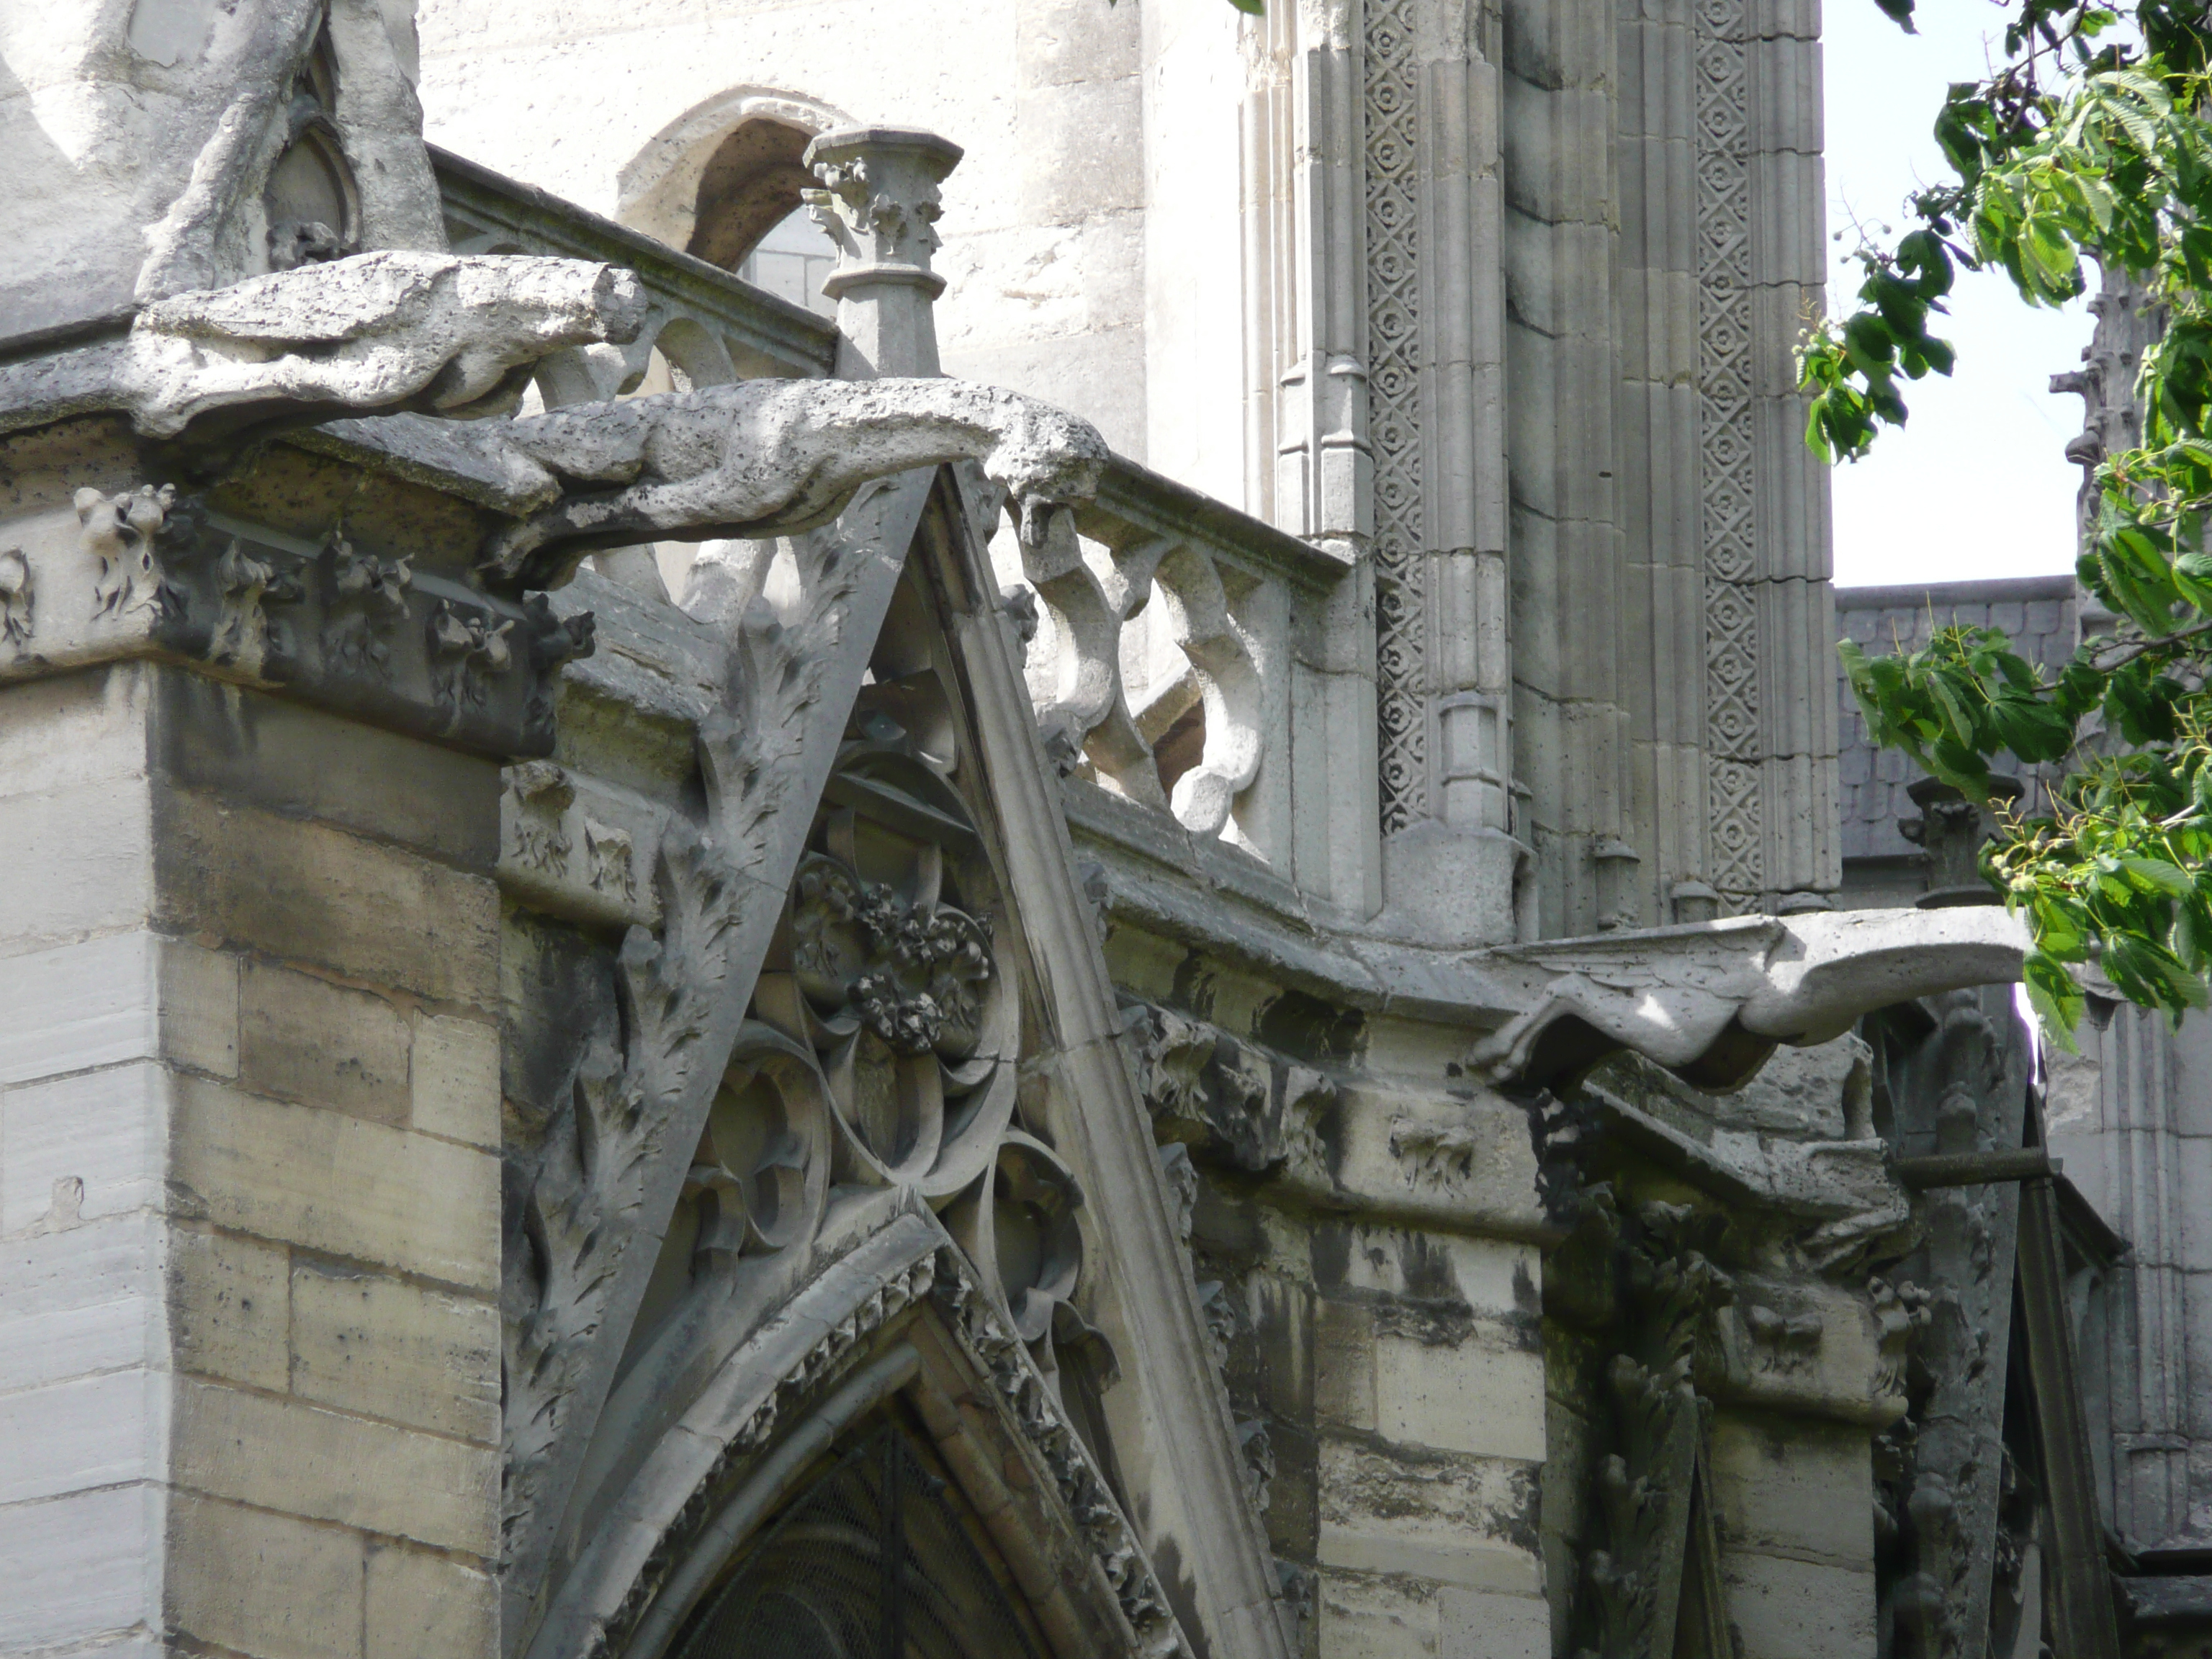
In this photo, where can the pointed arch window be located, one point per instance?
(872, 1561)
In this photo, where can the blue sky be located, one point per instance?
(1976, 484)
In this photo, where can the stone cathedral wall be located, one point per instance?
(1091, 239)
(1169, 1022)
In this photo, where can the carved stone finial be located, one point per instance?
(1951, 830)
(878, 202)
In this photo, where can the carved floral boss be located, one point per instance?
(895, 988)
(906, 1004)
(918, 976)
(912, 970)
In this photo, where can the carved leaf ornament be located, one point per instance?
(892, 984)
(878, 1059)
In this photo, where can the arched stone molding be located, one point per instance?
(903, 1311)
(659, 190)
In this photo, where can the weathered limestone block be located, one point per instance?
(1373, 1617)
(1476, 1398)
(417, 1602)
(310, 893)
(230, 1301)
(1492, 1625)
(79, 1558)
(218, 1546)
(189, 1013)
(329, 1181)
(233, 1262)
(1464, 1520)
(304, 1039)
(374, 1344)
(1782, 1608)
(455, 1080)
(1799, 1490)
(325, 1465)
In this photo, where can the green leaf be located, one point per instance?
(2057, 1000)
(2156, 875)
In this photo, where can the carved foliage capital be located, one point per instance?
(878, 199)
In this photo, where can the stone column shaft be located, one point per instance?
(878, 202)
(1658, 415)
(1470, 664)
(1568, 601)
(1796, 623)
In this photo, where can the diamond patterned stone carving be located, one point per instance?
(1725, 450)
(1394, 406)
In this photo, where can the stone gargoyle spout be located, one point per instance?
(373, 334)
(761, 458)
(1710, 1001)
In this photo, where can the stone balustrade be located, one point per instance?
(1181, 661)
(710, 326)
(1188, 659)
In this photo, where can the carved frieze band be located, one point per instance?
(145, 571)
(1393, 393)
(575, 847)
(1725, 454)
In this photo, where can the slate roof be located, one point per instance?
(2037, 611)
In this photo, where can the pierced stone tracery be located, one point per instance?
(890, 981)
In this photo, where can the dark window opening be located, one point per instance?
(873, 1561)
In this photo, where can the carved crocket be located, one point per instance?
(761, 458)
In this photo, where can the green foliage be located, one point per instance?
(2088, 144)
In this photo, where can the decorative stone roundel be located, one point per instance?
(1019, 1227)
(764, 1163)
(889, 975)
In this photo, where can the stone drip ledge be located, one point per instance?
(1711, 1000)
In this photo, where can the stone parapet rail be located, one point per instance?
(710, 325)
(1187, 660)
(1254, 669)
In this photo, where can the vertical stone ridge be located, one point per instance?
(1726, 511)
(1394, 404)
(1664, 645)
(1797, 611)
